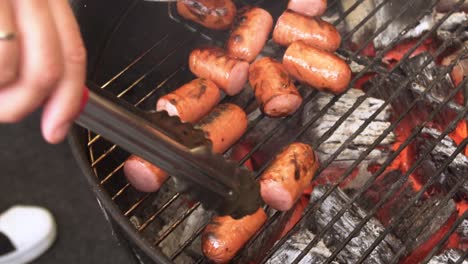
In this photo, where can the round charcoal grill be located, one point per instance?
(140, 52)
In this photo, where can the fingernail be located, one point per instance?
(58, 135)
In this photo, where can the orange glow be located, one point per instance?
(462, 207)
(421, 252)
(397, 53)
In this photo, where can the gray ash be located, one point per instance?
(296, 244)
(449, 256)
(455, 172)
(383, 253)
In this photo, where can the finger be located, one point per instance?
(41, 61)
(64, 104)
(9, 49)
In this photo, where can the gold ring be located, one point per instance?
(7, 35)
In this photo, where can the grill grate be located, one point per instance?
(166, 55)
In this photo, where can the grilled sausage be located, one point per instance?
(191, 101)
(213, 14)
(224, 236)
(283, 182)
(275, 91)
(312, 30)
(320, 69)
(310, 8)
(143, 175)
(251, 30)
(212, 63)
(224, 126)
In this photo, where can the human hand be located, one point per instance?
(42, 63)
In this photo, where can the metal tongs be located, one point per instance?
(178, 148)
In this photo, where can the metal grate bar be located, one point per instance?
(391, 192)
(115, 77)
(152, 69)
(138, 203)
(300, 133)
(344, 176)
(369, 16)
(176, 224)
(438, 207)
(441, 243)
(109, 151)
(372, 179)
(462, 258)
(112, 173)
(347, 12)
(119, 192)
(187, 242)
(246, 157)
(361, 99)
(389, 228)
(158, 212)
(376, 113)
(388, 22)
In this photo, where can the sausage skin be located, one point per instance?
(275, 91)
(224, 236)
(320, 69)
(191, 101)
(312, 30)
(143, 175)
(251, 30)
(224, 126)
(212, 63)
(283, 182)
(312, 8)
(212, 14)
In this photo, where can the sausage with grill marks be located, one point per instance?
(251, 30)
(224, 236)
(274, 90)
(320, 69)
(213, 14)
(284, 181)
(312, 30)
(225, 124)
(312, 8)
(191, 101)
(212, 63)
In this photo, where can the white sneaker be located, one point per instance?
(26, 232)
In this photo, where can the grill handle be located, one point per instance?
(133, 130)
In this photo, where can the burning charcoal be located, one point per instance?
(446, 31)
(448, 257)
(387, 12)
(409, 17)
(462, 231)
(296, 244)
(256, 251)
(455, 172)
(354, 18)
(383, 253)
(348, 127)
(182, 233)
(424, 80)
(412, 226)
(447, 5)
